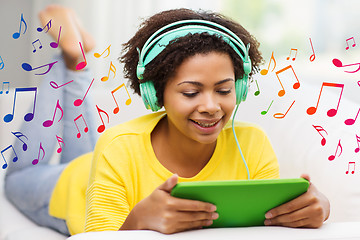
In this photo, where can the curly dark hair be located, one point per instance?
(164, 65)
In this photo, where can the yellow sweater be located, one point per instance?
(124, 170)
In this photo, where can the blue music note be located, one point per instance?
(29, 116)
(28, 67)
(14, 159)
(16, 35)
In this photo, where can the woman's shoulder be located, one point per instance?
(242, 126)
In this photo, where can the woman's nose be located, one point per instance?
(209, 104)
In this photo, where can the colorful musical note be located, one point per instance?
(40, 45)
(353, 45)
(101, 128)
(19, 135)
(97, 55)
(348, 170)
(358, 83)
(2, 65)
(266, 111)
(351, 121)
(282, 115)
(56, 86)
(81, 65)
(265, 71)
(258, 89)
(36, 160)
(319, 129)
(16, 35)
(14, 159)
(60, 140)
(332, 157)
(338, 63)
(86, 129)
(295, 86)
(28, 67)
(5, 84)
(56, 44)
(312, 57)
(332, 112)
(357, 141)
(29, 116)
(295, 50)
(128, 101)
(49, 123)
(79, 101)
(48, 26)
(112, 69)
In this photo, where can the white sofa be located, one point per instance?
(295, 140)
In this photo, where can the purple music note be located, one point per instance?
(48, 26)
(49, 123)
(29, 116)
(19, 135)
(36, 160)
(28, 67)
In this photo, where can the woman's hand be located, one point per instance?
(166, 214)
(310, 210)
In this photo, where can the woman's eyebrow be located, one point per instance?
(200, 84)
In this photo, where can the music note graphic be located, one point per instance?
(332, 157)
(16, 35)
(358, 83)
(265, 71)
(19, 135)
(5, 84)
(48, 26)
(258, 89)
(338, 63)
(28, 67)
(97, 55)
(29, 116)
(86, 129)
(351, 121)
(56, 86)
(56, 44)
(266, 111)
(36, 160)
(101, 128)
(332, 112)
(81, 65)
(112, 69)
(14, 159)
(319, 129)
(312, 57)
(60, 140)
(2, 65)
(49, 123)
(295, 86)
(79, 101)
(348, 170)
(128, 101)
(282, 115)
(353, 45)
(295, 50)
(40, 45)
(357, 141)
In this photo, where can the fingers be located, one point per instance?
(169, 184)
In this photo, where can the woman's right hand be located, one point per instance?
(167, 214)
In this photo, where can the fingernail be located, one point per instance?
(267, 222)
(268, 215)
(208, 222)
(213, 208)
(215, 216)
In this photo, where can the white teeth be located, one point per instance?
(205, 124)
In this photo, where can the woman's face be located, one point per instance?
(200, 98)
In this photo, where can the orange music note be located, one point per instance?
(332, 112)
(16, 35)
(265, 71)
(86, 129)
(101, 128)
(266, 111)
(332, 157)
(353, 171)
(354, 44)
(282, 115)
(5, 84)
(14, 159)
(48, 26)
(28, 67)
(40, 45)
(79, 101)
(128, 101)
(97, 55)
(295, 50)
(56, 44)
(112, 69)
(36, 160)
(60, 140)
(81, 65)
(351, 121)
(29, 116)
(49, 123)
(358, 141)
(319, 129)
(295, 86)
(338, 63)
(19, 135)
(312, 57)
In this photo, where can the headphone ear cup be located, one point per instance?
(241, 88)
(148, 94)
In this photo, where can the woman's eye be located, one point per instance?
(190, 94)
(224, 92)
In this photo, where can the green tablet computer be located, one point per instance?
(242, 203)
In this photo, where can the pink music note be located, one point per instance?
(266, 111)
(48, 26)
(112, 69)
(5, 84)
(332, 112)
(358, 141)
(332, 157)
(40, 45)
(28, 67)
(19, 135)
(265, 71)
(56, 44)
(97, 55)
(49, 123)
(60, 140)
(338, 63)
(295, 50)
(79, 101)
(101, 128)
(348, 170)
(282, 115)
(2, 65)
(312, 57)
(81, 65)
(351, 121)
(14, 159)
(86, 129)
(29, 116)
(319, 129)
(56, 86)
(354, 44)
(16, 35)
(128, 101)
(358, 83)
(295, 86)
(36, 160)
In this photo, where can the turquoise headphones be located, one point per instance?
(161, 38)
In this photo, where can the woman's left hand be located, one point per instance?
(310, 210)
